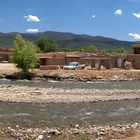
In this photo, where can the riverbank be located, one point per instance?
(123, 132)
(9, 71)
(88, 75)
(31, 121)
(26, 94)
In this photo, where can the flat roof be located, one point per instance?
(43, 57)
(136, 46)
(96, 58)
(74, 56)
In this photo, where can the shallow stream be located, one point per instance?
(40, 115)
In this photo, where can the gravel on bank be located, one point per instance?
(24, 94)
(75, 132)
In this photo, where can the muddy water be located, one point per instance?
(82, 85)
(40, 115)
(65, 114)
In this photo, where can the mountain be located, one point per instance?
(68, 40)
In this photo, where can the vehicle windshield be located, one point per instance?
(72, 64)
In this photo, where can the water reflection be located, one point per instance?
(66, 114)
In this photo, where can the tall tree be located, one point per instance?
(25, 54)
(47, 45)
(121, 50)
(88, 48)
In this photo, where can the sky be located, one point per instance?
(119, 19)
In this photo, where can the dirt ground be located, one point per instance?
(9, 68)
(85, 75)
(137, 137)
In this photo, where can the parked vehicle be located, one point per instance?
(73, 66)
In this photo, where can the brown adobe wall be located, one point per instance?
(5, 54)
(72, 59)
(56, 61)
(65, 58)
(113, 61)
(134, 59)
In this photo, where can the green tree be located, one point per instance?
(66, 49)
(25, 54)
(88, 48)
(121, 50)
(47, 45)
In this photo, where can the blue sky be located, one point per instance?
(118, 19)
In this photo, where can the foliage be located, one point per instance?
(121, 50)
(25, 54)
(88, 48)
(47, 45)
(66, 49)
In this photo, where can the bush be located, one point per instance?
(25, 54)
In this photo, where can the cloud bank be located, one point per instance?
(137, 15)
(118, 12)
(32, 30)
(31, 18)
(135, 36)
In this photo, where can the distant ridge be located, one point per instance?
(68, 40)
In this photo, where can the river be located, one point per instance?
(40, 115)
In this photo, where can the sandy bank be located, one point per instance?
(23, 94)
(9, 70)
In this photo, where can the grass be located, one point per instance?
(75, 137)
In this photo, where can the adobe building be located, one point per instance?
(98, 61)
(57, 60)
(5, 54)
(134, 58)
(52, 60)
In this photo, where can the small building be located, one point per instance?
(136, 49)
(5, 54)
(98, 62)
(74, 57)
(89, 59)
(120, 60)
(52, 58)
(134, 58)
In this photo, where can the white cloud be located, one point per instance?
(31, 18)
(137, 15)
(93, 16)
(118, 12)
(135, 36)
(32, 30)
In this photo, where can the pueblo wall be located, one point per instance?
(134, 59)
